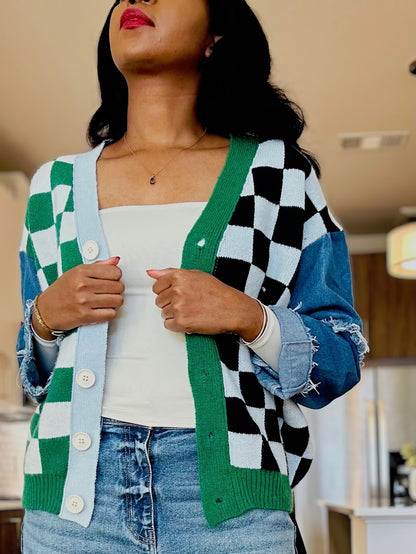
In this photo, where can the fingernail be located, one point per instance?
(115, 258)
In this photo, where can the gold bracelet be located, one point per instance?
(54, 332)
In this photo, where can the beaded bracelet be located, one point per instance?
(263, 327)
(54, 332)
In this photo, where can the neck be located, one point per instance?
(162, 111)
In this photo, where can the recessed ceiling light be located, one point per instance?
(373, 140)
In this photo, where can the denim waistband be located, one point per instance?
(110, 421)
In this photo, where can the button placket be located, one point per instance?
(74, 504)
(85, 378)
(90, 250)
(81, 441)
(87, 392)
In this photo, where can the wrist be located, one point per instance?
(40, 340)
(39, 324)
(39, 330)
(250, 318)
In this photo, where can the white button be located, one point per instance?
(201, 243)
(81, 441)
(74, 504)
(85, 378)
(90, 250)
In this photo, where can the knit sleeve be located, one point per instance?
(321, 333)
(38, 264)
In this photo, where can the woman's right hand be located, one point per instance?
(85, 294)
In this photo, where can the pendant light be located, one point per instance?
(401, 247)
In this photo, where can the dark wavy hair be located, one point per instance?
(235, 95)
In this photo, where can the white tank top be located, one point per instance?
(147, 371)
(147, 367)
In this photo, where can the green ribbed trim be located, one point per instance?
(211, 224)
(44, 492)
(226, 491)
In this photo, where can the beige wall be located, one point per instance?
(13, 198)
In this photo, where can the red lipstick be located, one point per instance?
(133, 18)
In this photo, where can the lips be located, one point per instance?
(132, 18)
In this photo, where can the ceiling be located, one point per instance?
(345, 63)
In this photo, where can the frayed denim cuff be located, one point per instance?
(354, 331)
(295, 361)
(30, 375)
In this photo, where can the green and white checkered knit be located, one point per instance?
(49, 240)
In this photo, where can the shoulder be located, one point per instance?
(279, 154)
(53, 173)
(50, 188)
(46, 176)
(279, 174)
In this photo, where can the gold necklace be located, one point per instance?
(152, 180)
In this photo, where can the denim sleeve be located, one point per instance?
(35, 379)
(322, 341)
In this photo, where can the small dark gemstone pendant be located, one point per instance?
(153, 179)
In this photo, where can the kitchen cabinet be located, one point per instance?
(387, 307)
(11, 516)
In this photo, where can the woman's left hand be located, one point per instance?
(193, 301)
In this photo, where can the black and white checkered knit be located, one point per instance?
(280, 212)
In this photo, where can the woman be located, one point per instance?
(195, 204)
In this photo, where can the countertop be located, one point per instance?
(371, 511)
(6, 504)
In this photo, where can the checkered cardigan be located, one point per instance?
(266, 231)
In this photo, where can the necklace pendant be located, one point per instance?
(153, 180)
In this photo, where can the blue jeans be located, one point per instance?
(148, 500)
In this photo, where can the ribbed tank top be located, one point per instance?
(147, 376)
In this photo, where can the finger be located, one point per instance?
(171, 325)
(100, 315)
(104, 271)
(106, 301)
(164, 298)
(113, 260)
(157, 273)
(163, 283)
(174, 322)
(163, 278)
(105, 286)
(167, 312)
